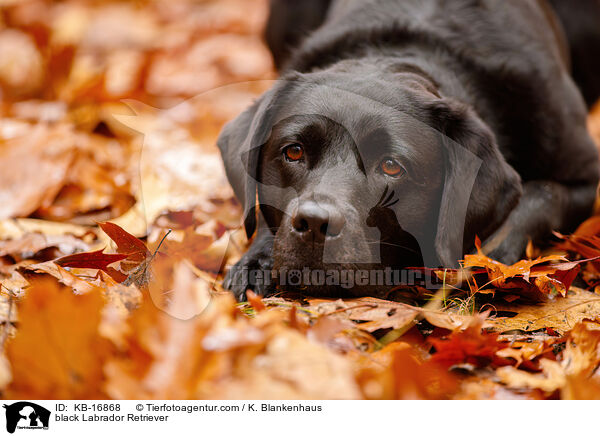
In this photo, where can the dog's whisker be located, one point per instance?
(393, 245)
(390, 196)
(392, 203)
(385, 191)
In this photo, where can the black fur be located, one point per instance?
(472, 97)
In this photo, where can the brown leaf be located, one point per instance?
(379, 314)
(65, 277)
(561, 314)
(57, 352)
(578, 363)
(95, 259)
(448, 320)
(476, 388)
(32, 243)
(34, 168)
(128, 244)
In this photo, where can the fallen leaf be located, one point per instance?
(560, 314)
(578, 362)
(471, 345)
(399, 372)
(32, 243)
(95, 259)
(46, 354)
(127, 244)
(552, 275)
(65, 277)
(21, 227)
(35, 167)
(378, 314)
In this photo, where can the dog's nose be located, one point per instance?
(322, 223)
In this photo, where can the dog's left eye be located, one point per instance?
(293, 152)
(391, 167)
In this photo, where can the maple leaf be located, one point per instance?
(524, 353)
(133, 255)
(586, 243)
(552, 275)
(95, 259)
(127, 244)
(57, 352)
(471, 345)
(131, 252)
(141, 274)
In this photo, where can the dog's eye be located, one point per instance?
(293, 152)
(391, 167)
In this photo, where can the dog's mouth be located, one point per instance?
(342, 281)
(345, 267)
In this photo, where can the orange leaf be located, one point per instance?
(399, 372)
(471, 345)
(552, 274)
(255, 301)
(57, 352)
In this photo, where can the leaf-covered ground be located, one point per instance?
(117, 223)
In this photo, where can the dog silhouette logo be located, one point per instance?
(26, 415)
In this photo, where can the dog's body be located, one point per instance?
(428, 122)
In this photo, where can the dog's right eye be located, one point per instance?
(293, 152)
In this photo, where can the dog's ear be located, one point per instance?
(480, 187)
(240, 144)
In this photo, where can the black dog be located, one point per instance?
(403, 129)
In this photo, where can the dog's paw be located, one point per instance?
(253, 271)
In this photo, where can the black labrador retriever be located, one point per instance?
(402, 130)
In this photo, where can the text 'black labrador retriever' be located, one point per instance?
(401, 130)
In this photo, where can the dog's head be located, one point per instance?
(360, 171)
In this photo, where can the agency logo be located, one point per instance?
(26, 415)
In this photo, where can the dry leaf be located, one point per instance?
(579, 361)
(560, 314)
(47, 354)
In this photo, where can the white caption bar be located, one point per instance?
(339, 418)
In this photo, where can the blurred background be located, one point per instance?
(67, 66)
